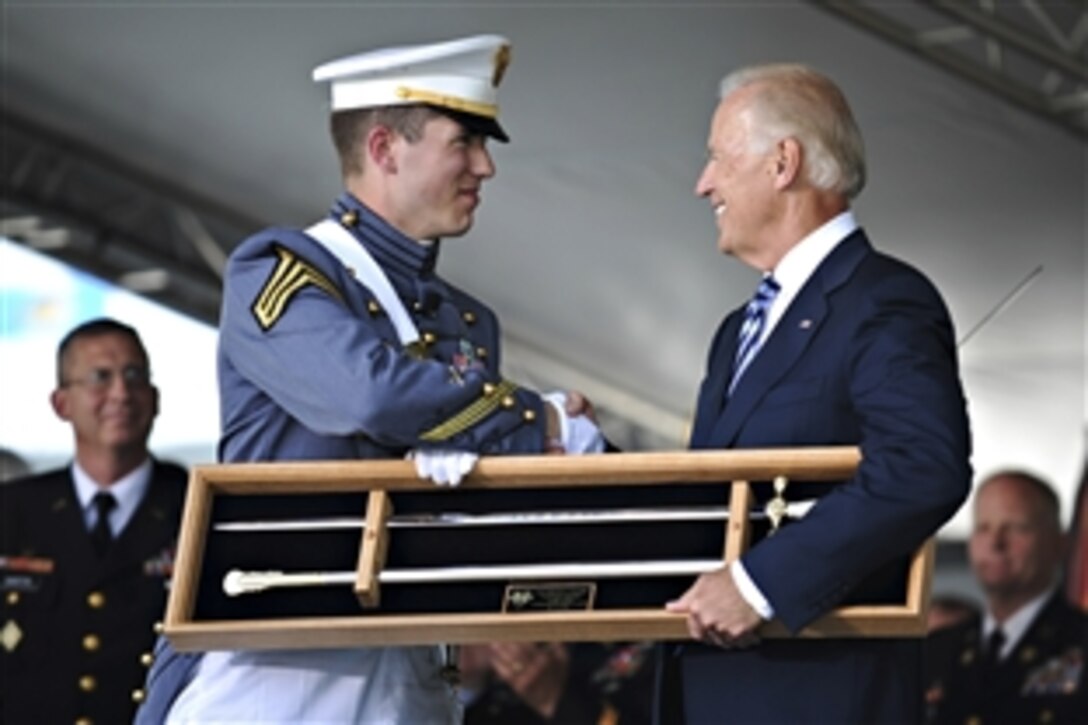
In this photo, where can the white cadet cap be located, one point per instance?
(460, 77)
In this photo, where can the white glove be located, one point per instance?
(578, 434)
(444, 467)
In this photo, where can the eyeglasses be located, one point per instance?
(99, 379)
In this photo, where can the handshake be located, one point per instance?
(571, 430)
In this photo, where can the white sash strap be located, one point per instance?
(350, 251)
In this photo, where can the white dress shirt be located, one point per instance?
(792, 273)
(128, 492)
(1017, 625)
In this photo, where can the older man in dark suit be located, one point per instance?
(86, 551)
(841, 345)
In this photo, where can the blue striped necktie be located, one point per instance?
(755, 317)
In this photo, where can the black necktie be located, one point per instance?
(101, 534)
(993, 648)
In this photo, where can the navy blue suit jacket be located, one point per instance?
(864, 355)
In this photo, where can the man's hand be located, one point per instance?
(717, 613)
(572, 426)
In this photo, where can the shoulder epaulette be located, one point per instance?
(290, 275)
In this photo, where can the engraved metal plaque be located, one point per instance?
(549, 597)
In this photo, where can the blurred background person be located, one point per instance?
(1022, 660)
(1077, 568)
(86, 551)
(585, 683)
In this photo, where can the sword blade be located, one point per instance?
(795, 509)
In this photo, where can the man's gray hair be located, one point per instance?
(794, 101)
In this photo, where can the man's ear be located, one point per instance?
(379, 148)
(787, 159)
(59, 400)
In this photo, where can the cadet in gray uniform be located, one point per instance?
(341, 342)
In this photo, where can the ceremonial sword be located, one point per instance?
(237, 582)
(794, 509)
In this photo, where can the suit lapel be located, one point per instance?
(66, 515)
(712, 397)
(789, 339)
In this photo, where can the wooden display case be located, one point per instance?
(579, 548)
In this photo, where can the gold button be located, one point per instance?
(157, 628)
(469, 317)
(91, 642)
(481, 352)
(147, 659)
(373, 308)
(508, 401)
(529, 416)
(96, 600)
(489, 388)
(417, 306)
(429, 338)
(137, 696)
(84, 721)
(349, 218)
(87, 683)
(13, 598)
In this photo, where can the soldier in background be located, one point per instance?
(1023, 660)
(86, 551)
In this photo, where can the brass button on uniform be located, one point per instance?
(96, 600)
(349, 218)
(87, 683)
(84, 721)
(417, 306)
(489, 389)
(508, 401)
(157, 628)
(373, 308)
(147, 659)
(91, 642)
(469, 317)
(529, 416)
(429, 338)
(481, 352)
(138, 696)
(12, 598)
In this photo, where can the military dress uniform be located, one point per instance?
(311, 367)
(74, 627)
(1042, 680)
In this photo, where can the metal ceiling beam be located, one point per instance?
(1066, 109)
(113, 220)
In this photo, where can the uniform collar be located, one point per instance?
(392, 249)
(1017, 625)
(128, 492)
